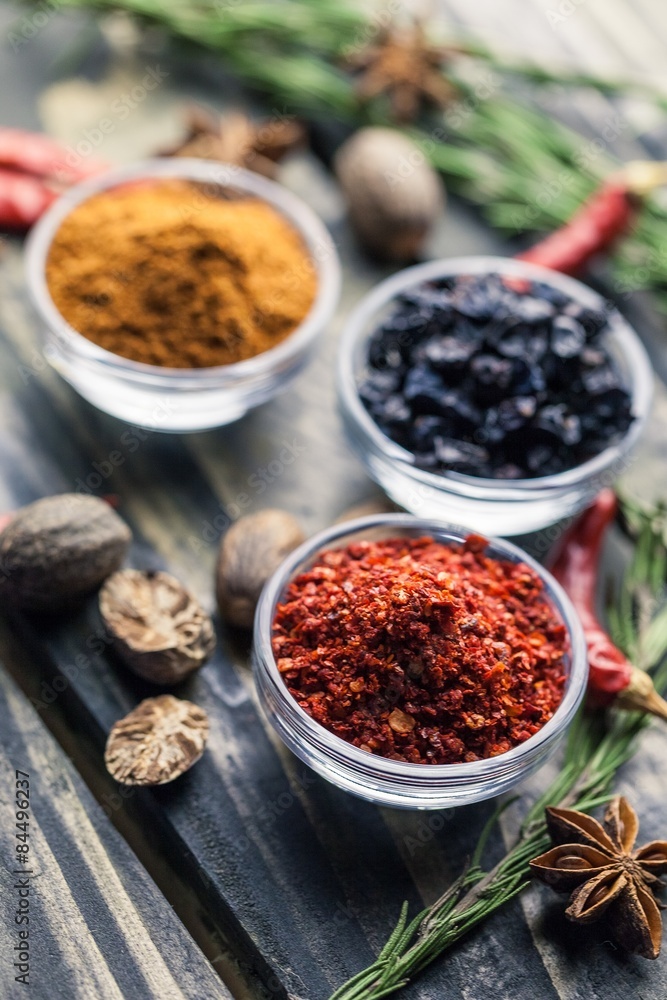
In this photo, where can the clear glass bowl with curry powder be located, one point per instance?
(384, 780)
(194, 398)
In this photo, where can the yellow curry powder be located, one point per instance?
(159, 272)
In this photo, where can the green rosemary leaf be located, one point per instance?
(396, 933)
(357, 987)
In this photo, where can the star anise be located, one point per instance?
(608, 877)
(235, 138)
(405, 67)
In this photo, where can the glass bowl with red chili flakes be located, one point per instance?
(417, 665)
(491, 392)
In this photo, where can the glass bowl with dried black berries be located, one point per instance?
(491, 393)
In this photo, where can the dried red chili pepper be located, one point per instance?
(420, 651)
(23, 199)
(612, 678)
(33, 169)
(600, 221)
(38, 154)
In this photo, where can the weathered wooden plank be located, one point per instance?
(306, 880)
(97, 926)
(297, 866)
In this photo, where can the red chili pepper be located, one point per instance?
(593, 229)
(600, 221)
(612, 678)
(33, 167)
(35, 153)
(23, 199)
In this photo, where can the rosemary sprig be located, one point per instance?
(527, 172)
(598, 745)
(563, 76)
(289, 49)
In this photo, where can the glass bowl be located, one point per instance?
(178, 399)
(491, 506)
(379, 779)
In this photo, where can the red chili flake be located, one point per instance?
(420, 651)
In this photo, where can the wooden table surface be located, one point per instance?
(250, 866)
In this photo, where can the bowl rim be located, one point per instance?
(304, 220)
(384, 767)
(356, 332)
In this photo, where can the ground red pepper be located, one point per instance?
(421, 651)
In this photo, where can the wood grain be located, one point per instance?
(305, 880)
(99, 927)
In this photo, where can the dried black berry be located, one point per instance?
(533, 311)
(495, 377)
(492, 376)
(560, 423)
(592, 320)
(601, 380)
(378, 385)
(513, 341)
(459, 410)
(568, 337)
(425, 430)
(449, 354)
(516, 412)
(393, 412)
(424, 390)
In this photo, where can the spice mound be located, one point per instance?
(170, 274)
(421, 651)
(484, 376)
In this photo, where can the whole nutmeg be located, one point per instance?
(393, 194)
(57, 550)
(157, 741)
(157, 627)
(251, 550)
